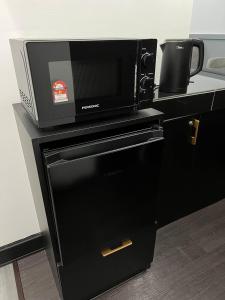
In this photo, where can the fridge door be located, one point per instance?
(103, 195)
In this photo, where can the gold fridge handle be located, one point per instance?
(195, 124)
(109, 251)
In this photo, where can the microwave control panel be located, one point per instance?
(146, 69)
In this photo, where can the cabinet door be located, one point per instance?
(209, 184)
(176, 192)
(103, 194)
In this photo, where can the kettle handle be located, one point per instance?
(200, 45)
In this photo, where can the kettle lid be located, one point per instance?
(177, 40)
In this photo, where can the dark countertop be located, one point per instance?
(79, 129)
(204, 94)
(198, 84)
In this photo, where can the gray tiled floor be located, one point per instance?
(189, 264)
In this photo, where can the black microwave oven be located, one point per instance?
(65, 81)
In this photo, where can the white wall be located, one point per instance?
(17, 214)
(208, 16)
(69, 18)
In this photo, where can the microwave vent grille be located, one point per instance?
(27, 102)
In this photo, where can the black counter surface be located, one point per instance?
(198, 84)
(203, 94)
(80, 129)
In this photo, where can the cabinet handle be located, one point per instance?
(109, 251)
(195, 124)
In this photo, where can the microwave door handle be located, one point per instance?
(63, 159)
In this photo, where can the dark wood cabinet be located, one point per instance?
(210, 158)
(177, 171)
(95, 187)
(193, 175)
(103, 196)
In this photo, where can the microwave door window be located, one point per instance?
(85, 79)
(96, 78)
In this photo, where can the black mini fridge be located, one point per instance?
(102, 192)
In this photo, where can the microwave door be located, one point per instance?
(100, 75)
(103, 75)
(73, 78)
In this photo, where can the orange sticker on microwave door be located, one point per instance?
(59, 91)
